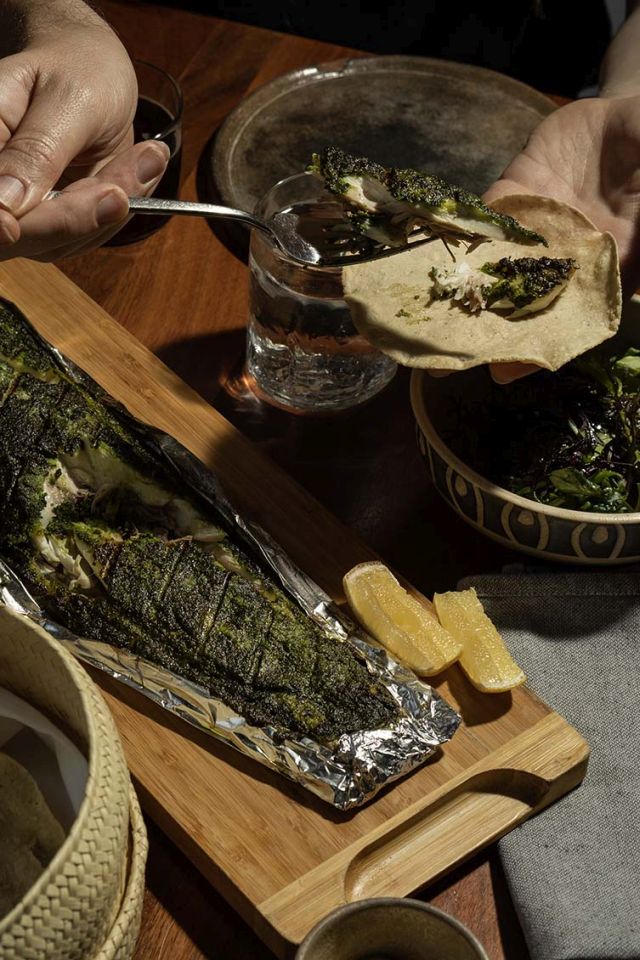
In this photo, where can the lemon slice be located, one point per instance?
(406, 628)
(484, 658)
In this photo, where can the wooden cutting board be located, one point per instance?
(282, 858)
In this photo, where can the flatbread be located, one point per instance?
(29, 833)
(391, 303)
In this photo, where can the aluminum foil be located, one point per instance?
(362, 762)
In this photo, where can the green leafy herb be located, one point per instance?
(570, 439)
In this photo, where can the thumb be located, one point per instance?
(502, 188)
(51, 130)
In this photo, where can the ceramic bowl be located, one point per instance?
(388, 928)
(550, 533)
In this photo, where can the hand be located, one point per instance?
(67, 102)
(586, 154)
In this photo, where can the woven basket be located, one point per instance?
(80, 904)
(121, 941)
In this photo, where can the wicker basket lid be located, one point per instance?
(70, 910)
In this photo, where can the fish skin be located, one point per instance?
(24, 454)
(424, 194)
(7, 378)
(214, 618)
(16, 346)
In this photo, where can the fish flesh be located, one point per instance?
(112, 546)
(520, 285)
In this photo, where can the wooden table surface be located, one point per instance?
(184, 295)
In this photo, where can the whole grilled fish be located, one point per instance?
(113, 549)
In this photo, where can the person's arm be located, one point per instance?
(23, 20)
(587, 154)
(68, 94)
(620, 70)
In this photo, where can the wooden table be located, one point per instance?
(184, 296)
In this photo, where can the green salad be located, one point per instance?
(570, 439)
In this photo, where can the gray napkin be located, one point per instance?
(574, 870)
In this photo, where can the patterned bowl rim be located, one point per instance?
(430, 434)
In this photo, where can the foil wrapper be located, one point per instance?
(362, 762)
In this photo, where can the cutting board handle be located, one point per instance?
(445, 826)
(422, 848)
(477, 809)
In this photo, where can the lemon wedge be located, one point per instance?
(404, 626)
(484, 658)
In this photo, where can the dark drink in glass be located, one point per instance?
(158, 117)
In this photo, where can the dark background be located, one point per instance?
(554, 45)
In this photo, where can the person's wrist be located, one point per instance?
(620, 91)
(42, 19)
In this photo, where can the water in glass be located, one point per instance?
(303, 350)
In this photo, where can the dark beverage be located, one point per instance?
(150, 120)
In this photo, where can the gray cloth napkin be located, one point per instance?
(574, 870)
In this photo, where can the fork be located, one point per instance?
(282, 229)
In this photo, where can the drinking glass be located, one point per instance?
(158, 117)
(303, 351)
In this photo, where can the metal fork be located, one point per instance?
(282, 229)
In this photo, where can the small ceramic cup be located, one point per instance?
(390, 929)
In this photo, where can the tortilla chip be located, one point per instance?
(391, 302)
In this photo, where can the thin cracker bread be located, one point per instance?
(391, 305)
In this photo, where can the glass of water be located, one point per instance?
(303, 351)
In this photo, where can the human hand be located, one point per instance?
(586, 154)
(67, 102)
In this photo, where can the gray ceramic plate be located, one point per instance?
(461, 122)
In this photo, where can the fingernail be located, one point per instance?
(11, 192)
(110, 209)
(502, 378)
(152, 163)
(6, 239)
(511, 372)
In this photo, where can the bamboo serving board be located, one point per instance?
(281, 857)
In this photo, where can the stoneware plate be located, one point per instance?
(550, 533)
(461, 122)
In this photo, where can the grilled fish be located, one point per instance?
(385, 204)
(521, 286)
(111, 546)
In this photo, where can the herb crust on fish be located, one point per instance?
(112, 547)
